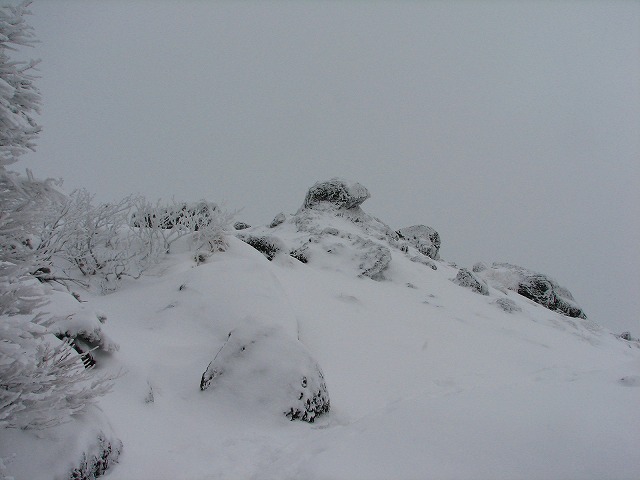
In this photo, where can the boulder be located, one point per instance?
(241, 226)
(278, 220)
(535, 286)
(263, 368)
(424, 238)
(468, 280)
(336, 192)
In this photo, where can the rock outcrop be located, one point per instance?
(532, 285)
(466, 279)
(424, 238)
(332, 228)
(336, 192)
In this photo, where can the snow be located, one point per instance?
(427, 379)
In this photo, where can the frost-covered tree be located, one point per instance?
(19, 97)
(43, 380)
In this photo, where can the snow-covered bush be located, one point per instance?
(265, 368)
(43, 381)
(94, 463)
(160, 225)
(109, 241)
(268, 245)
(90, 238)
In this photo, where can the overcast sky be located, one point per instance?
(513, 128)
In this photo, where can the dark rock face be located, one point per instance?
(544, 291)
(336, 192)
(424, 238)
(534, 286)
(468, 280)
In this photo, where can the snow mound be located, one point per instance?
(262, 365)
(81, 449)
(532, 285)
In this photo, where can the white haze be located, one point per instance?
(513, 128)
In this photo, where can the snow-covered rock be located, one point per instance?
(241, 226)
(336, 192)
(532, 285)
(262, 366)
(466, 279)
(278, 219)
(424, 238)
(332, 222)
(84, 326)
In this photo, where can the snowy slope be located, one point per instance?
(427, 379)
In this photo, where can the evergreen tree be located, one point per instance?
(19, 97)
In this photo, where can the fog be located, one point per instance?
(512, 128)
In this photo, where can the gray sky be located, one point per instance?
(513, 128)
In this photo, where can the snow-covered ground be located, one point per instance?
(427, 379)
